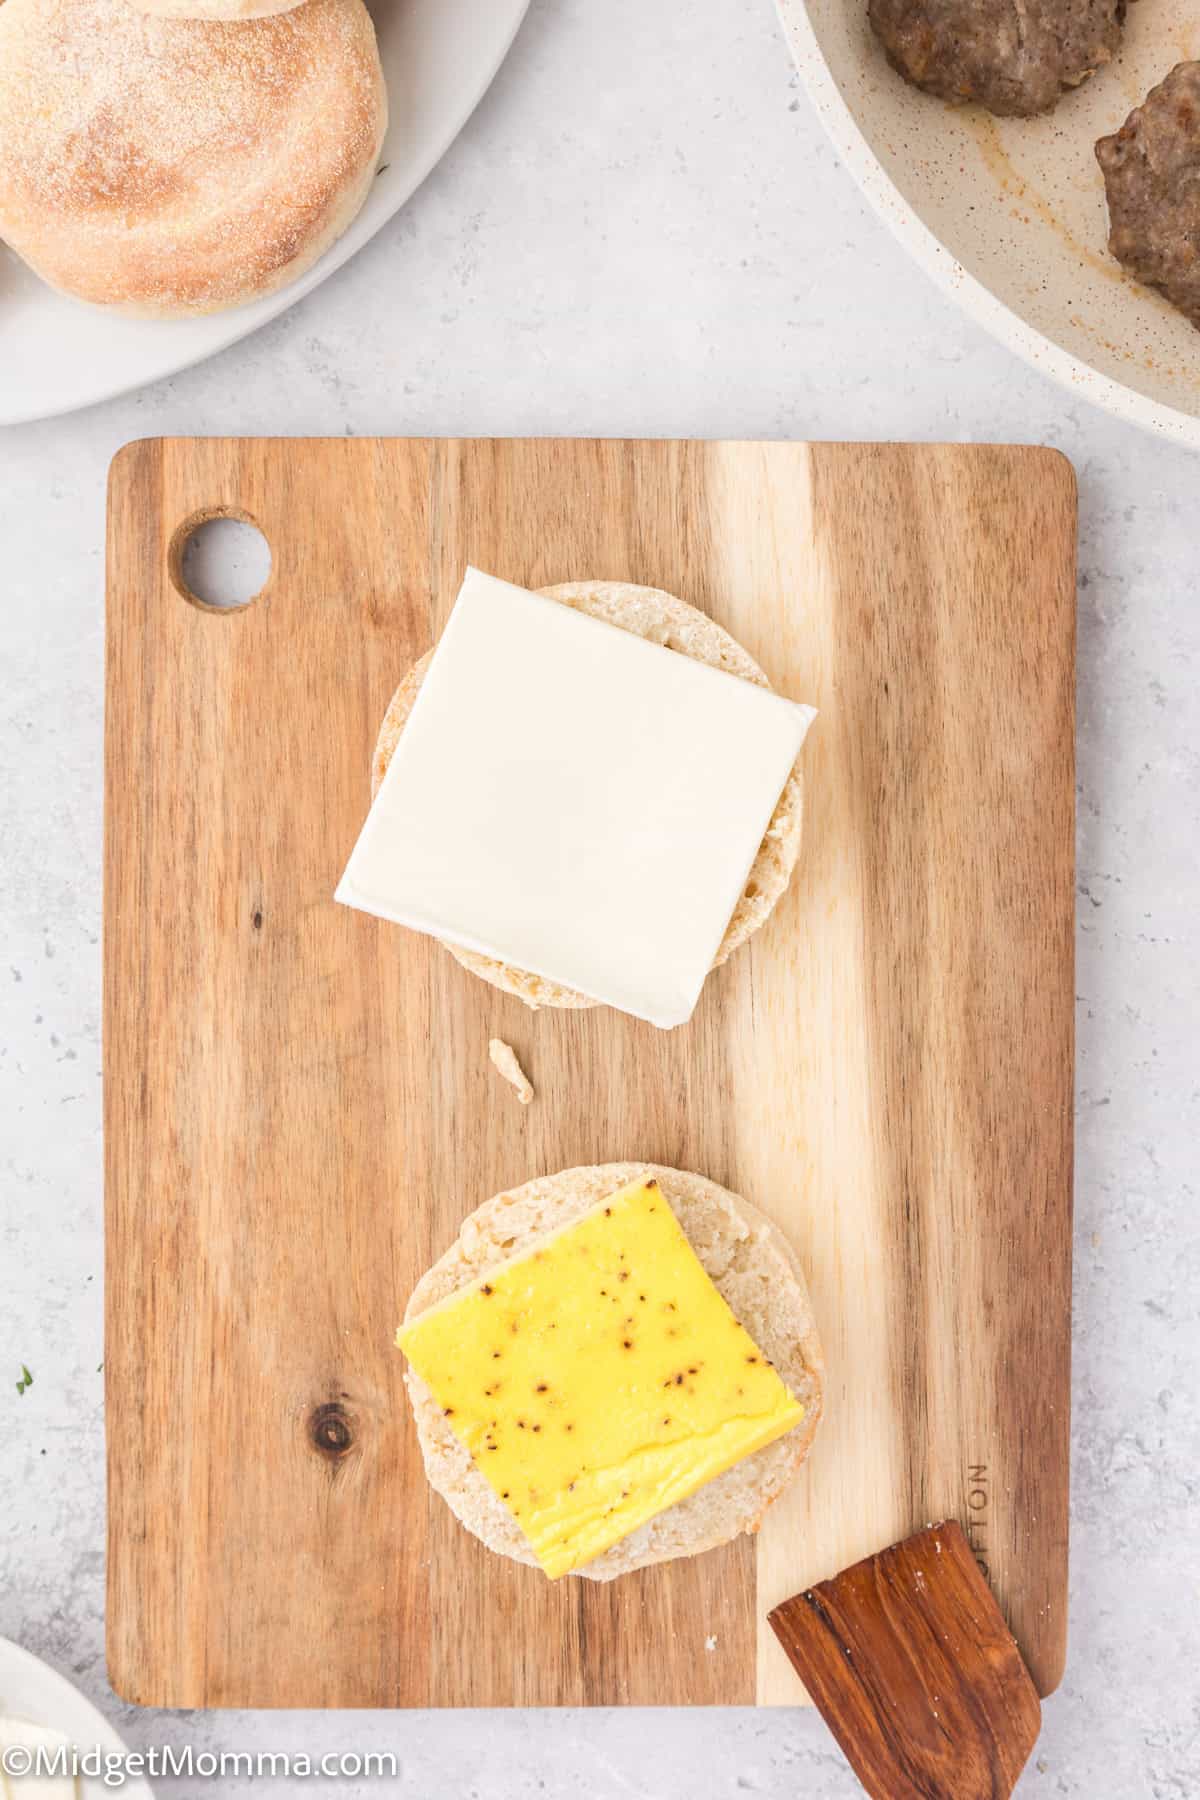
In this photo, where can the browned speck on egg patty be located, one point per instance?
(1012, 56)
(1152, 178)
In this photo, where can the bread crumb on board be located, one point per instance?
(710, 1644)
(504, 1057)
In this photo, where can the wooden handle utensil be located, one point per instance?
(908, 1658)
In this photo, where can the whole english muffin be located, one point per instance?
(1016, 57)
(1152, 179)
(662, 619)
(168, 166)
(756, 1272)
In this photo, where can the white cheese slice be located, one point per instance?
(575, 801)
(19, 1734)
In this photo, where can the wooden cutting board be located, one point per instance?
(300, 1108)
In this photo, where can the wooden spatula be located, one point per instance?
(913, 1669)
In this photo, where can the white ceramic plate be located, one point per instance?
(32, 1690)
(439, 57)
(1008, 215)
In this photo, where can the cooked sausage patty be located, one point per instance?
(1012, 56)
(1152, 177)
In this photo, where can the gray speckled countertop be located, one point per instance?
(642, 231)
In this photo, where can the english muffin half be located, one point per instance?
(757, 1274)
(661, 619)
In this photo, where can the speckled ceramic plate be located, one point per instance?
(30, 1689)
(439, 57)
(1008, 215)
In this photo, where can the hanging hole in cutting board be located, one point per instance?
(220, 561)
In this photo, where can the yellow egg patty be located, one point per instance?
(599, 1378)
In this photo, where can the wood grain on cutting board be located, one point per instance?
(300, 1107)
